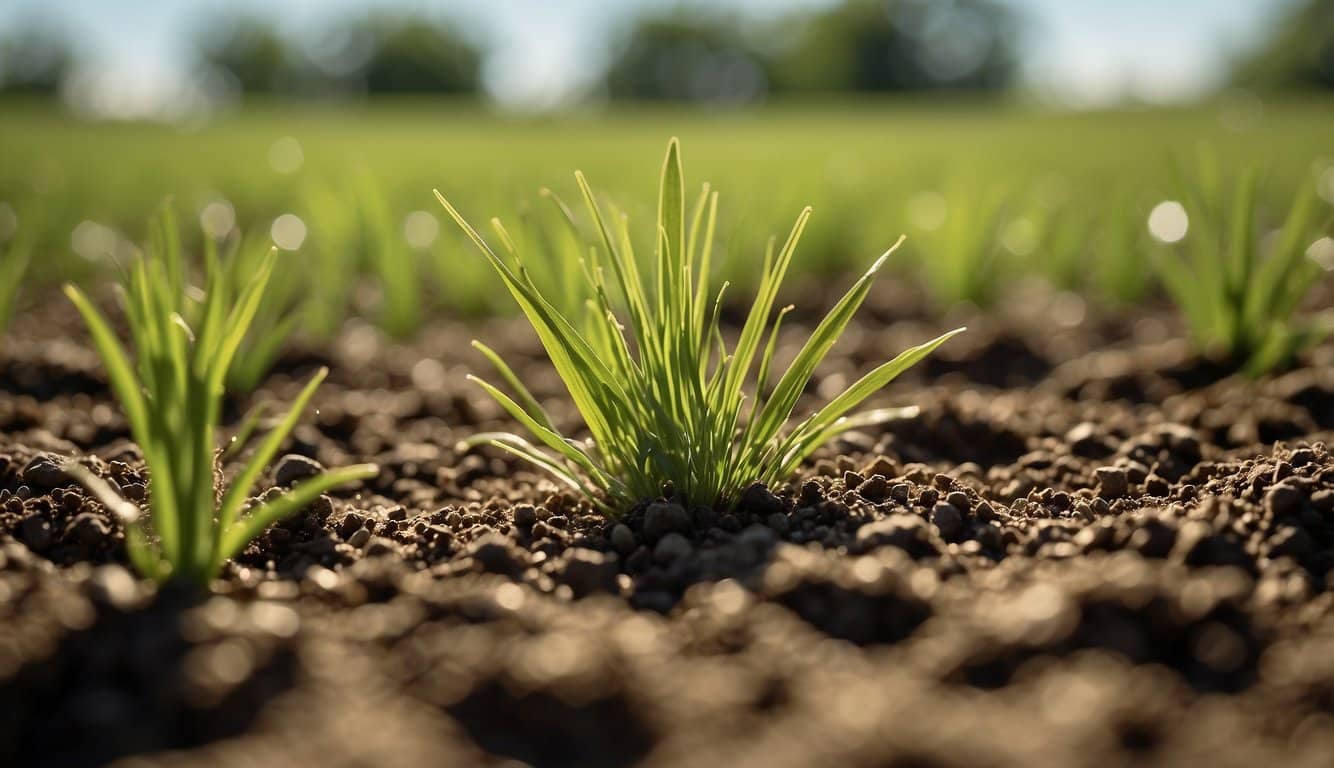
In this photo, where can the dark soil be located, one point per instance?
(1087, 549)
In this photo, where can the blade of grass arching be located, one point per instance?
(548, 437)
(1264, 298)
(242, 484)
(217, 292)
(165, 244)
(1180, 282)
(751, 332)
(247, 370)
(558, 335)
(238, 323)
(1273, 347)
(249, 423)
(624, 265)
(197, 481)
(870, 383)
(598, 393)
(778, 407)
(705, 265)
(1241, 253)
(797, 451)
(530, 403)
(692, 245)
(671, 221)
(512, 443)
(762, 380)
(140, 551)
(235, 538)
(120, 373)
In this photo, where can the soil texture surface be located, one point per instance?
(1088, 548)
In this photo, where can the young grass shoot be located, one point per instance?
(670, 403)
(1239, 292)
(172, 398)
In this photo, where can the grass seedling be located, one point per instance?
(172, 398)
(1240, 292)
(668, 404)
(278, 316)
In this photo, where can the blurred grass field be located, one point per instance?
(986, 193)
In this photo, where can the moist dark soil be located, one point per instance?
(1088, 548)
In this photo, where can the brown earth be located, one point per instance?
(1089, 548)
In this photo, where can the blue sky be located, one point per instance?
(1084, 51)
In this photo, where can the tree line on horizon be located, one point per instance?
(683, 54)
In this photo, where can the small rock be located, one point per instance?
(35, 532)
(44, 471)
(359, 538)
(1291, 542)
(928, 497)
(1323, 501)
(1154, 485)
(899, 492)
(1085, 440)
(623, 539)
(778, 522)
(587, 571)
(1112, 482)
(379, 545)
(759, 500)
(113, 585)
(852, 480)
(671, 547)
(757, 537)
(662, 518)
(1301, 457)
(958, 500)
(294, 468)
(905, 531)
(1283, 500)
(524, 516)
(704, 517)
(948, 520)
(1153, 538)
(874, 489)
(494, 555)
(88, 529)
(811, 493)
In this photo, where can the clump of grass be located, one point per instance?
(667, 403)
(172, 398)
(1238, 291)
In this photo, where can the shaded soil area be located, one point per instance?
(1087, 549)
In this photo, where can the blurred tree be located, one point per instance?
(379, 54)
(34, 58)
(249, 50)
(679, 57)
(1298, 54)
(410, 55)
(898, 45)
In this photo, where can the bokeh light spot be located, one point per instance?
(218, 218)
(285, 155)
(420, 229)
(1168, 222)
(288, 232)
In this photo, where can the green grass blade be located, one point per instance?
(243, 531)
